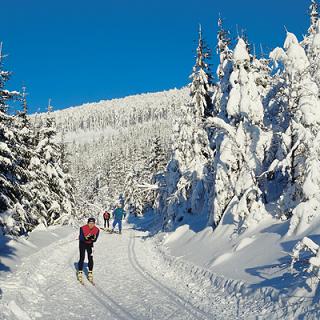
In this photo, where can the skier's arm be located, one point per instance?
(81, 235)
(96, 237)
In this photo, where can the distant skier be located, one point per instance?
(106, 218)
(118, 215)
(89, 234)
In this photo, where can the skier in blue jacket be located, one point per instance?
(118, 215)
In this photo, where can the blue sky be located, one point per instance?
(77, 51)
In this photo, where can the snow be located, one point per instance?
(13, 250)
(134, 280)
(177, 234)
(17, 311)
(223, 258)
(230, 170)
(240, 52)
(244, 243)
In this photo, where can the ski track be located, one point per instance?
(103, 299)
(45, 285)
(181, 302)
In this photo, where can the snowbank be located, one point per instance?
(254, 265)
(14, 250)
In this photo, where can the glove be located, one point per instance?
(90, 237)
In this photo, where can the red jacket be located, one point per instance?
(85, 231)
(106, 215)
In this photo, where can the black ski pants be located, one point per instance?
(106, 221)
(83, 247)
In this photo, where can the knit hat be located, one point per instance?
(92, 220)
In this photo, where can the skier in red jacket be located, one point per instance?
(89, 234)
(106, 217)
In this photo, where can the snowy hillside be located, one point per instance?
(112, 144)
(119, 113)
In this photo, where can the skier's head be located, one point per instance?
(91, 222)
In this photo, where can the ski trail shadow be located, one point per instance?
(148, 222)
(285, 280)
(85, 267)
(5, 252)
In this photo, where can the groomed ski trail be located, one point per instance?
(127, 285)
(181, 303)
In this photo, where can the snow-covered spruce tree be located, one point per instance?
(301, 140)
(201, 81)
(157, 165)
(240, 148)
(56, 193)
(25, 151)
(13, 219)
(314, 18)
(188, 172)
(311, 42)
(312, 51)
(224, 70)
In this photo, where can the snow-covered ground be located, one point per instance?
(134, 279)
(255, 265)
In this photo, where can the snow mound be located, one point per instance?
(222, 258)
(17, 311)
(244, 243)
(177, 234)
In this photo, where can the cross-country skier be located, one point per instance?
(106, 218)
(118, 215)
(89, 234)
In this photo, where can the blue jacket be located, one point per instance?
(119, 214)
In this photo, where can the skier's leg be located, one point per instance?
(82, 251)
(90, 258)
(105, 223)
(108, 223)
(120, 225)
(114, 224)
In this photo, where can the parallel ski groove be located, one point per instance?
(181, 302)
(112, 307)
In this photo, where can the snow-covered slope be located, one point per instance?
(111, 144)
(108, 116)
(132, 282)
(254, 264)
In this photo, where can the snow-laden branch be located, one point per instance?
(183, 186)
(215, 122)
(232, 133)
(148, 186)
(277, 164)
(306, 244)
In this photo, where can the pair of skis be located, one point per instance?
(80, 279)
(109, 230)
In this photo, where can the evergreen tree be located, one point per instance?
(24, 152)
(59, 203)
(300, 147)
(12, 219)
(188, 174)
(240, 146)
(314, 17)
(201, 81)
(224, 70)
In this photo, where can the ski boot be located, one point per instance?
(80, 276)
(90, 277)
